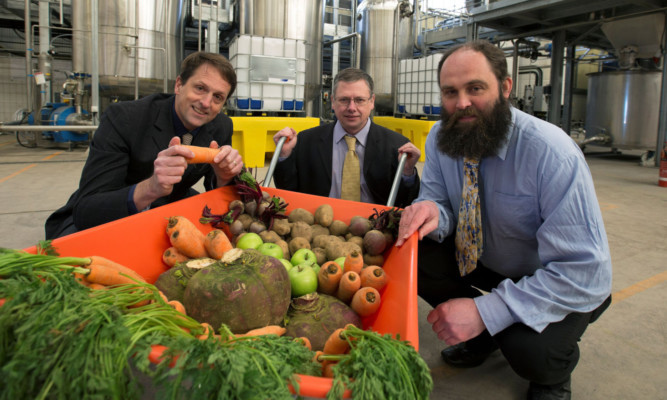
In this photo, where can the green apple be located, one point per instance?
(249, 240)
(304, 256)
(288, 265)
(341, 262)
(271, 249)
(303, 280)
(316, 268)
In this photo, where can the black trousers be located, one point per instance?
(546, 358)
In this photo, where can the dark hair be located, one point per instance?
(352, 75)
(219, 62)
(494, 55)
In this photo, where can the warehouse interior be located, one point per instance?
(594, 68)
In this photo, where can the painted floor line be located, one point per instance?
(638, 287)
(22, 170)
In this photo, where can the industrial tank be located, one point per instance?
(290, 19)
(386, 29)
(624, 105)
(158, 24)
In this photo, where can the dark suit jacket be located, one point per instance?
(122, 152)
(308, 168)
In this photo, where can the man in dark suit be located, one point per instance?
(313, 162)
(136, 160)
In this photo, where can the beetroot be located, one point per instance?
(249, 292)
(316, 315)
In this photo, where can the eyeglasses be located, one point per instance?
(359, 101)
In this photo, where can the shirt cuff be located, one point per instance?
(409, 180)
(494, 313)
(131, 207)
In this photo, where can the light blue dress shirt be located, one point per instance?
(541, 222)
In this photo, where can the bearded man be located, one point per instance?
(514, 253)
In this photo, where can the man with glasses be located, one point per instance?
(312, 162)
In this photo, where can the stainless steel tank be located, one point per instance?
(626, 106)
(291, 19)
(158, 24)
(386, 37)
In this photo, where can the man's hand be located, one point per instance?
(289, 144)
(423, 216)
(456, 321)
(168, 169)
(413, 156)
(226, 164)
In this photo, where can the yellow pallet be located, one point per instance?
(253, 136)
(415, 130)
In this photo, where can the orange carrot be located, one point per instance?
(366, 301)
(208, 331)
(178, 306)
(172, 256)
(97, 260)
(305, 341)
(2, 301)
(349, 283)
(186, 237)
(217, 244)
(81, 278)
(96, 286)
(106, 275)
(317, 355)
(327, 369)
(373, 276)
(336, 344)
(354, 261)
(267, 330)
(328, 277)
(203, 155)
(163, 296)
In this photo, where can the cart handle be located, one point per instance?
(397, 179)
(274, 161)
(394, 186)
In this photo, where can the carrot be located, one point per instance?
(186, 237)
(267, 330)
(336, 344)
(81, 278)
(97, 260)
(354, 261)
(349, 283)
(96, 286)
(208, 331)
(172, 256)
(317, 355)
(327, 369)
(305, 341)
(217, 244)
(373, 276)
(163, 296)
(366, 301)
(105, 274)
(178, 306)
(203, 155)
(328, 277)
(2, 301)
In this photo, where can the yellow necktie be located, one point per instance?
(469, 229)
(187, 138)
(351, 183)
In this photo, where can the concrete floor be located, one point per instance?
(623, 355)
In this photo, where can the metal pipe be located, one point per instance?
(164, 80)
(357, 49)
(28, 55)
(94, 38)
(662, 119)
(44, 128)
(417, 29)
(241, 5)
(515, 68)
(274, 161)
(199, 31)
(136, 50)
(394, 72)
(78, 39)
(44, 63)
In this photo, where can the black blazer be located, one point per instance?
(308, 168)
(121, 154)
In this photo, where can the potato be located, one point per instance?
(374, 260)
(319, 230)
(321, 255)
(269, 236)
(302, 229)
(298, 243)
(246, 220)
(358, 240)
(257, 227)
(283, 245)
(338, 228)
(301, 214)
(322, 240)
(324, 215)
(340, 249)
(281, 226)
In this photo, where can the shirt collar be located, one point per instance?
(179, 128)
(361, 136)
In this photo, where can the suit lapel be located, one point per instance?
(325, 153)
(163, 125)
(371, 155)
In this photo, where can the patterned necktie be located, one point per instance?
(351, 183)
(469, 229)
(187, 138)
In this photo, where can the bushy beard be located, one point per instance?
(478, 139)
